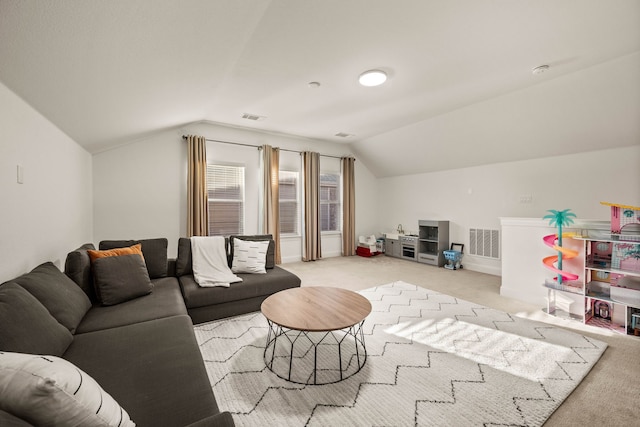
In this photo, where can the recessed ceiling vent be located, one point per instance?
(344, 135)
(253, 117)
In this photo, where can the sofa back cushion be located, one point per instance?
(78, 268)
(184, 262)
(271, 250)
(58, 293)
(27, 326)
(153, 250)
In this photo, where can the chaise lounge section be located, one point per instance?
(212, 303)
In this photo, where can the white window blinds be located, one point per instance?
(225, 185)
(329, 202)
(289, 203)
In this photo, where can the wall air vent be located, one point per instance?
(485, 243)
(253, 117)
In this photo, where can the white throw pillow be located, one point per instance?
(249, 256)
(50, 391)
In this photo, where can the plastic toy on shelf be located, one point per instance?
(554, 262)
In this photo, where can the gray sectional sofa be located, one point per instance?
(142, 350)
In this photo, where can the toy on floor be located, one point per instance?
(453, 256)
(554, 262)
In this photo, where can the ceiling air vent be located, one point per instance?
(253, 117)
(343, 135)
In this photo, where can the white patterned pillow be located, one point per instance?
(50, 391)
(249, 256)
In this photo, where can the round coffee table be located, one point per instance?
(315, 330)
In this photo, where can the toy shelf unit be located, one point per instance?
(612, 276)
(433, 240)
(609, 289)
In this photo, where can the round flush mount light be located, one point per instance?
(540, 69)
(372, 78)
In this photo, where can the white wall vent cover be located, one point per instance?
(484, 243)
(253, 117)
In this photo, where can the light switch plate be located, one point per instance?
(20, 174)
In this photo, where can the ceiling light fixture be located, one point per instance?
(372, 78)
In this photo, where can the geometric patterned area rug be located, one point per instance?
(432, 360)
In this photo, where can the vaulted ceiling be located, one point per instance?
(108, 72)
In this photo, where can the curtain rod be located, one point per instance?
(257, 146)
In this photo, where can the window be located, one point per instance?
(289, 211)
(329, 202)
(225, 187)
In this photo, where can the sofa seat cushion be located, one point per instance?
(154, 370)
(57, 292)
(165, 301)
(26, 326)
(252, 285)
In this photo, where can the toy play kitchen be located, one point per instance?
(427, 246)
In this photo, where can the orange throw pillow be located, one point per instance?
(135, 249)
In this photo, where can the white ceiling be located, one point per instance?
(108, 72)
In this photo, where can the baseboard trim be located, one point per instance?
(290, 259)
(487, 269)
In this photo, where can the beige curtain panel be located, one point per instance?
(348, 206)
(311, 239)
(271, 195)
(197, 201)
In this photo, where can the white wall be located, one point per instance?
(49, 214)
(477, 197)
(140, 188)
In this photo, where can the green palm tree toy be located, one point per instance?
(560, 219)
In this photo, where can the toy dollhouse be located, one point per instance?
(610, 284)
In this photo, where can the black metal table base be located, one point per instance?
(306, 357)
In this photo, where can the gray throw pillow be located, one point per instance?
(27, 326)
(121, 278)
(66, 302)
(153, 250)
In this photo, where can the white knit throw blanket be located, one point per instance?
(210, 267)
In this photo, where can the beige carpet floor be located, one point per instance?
(609, 395)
